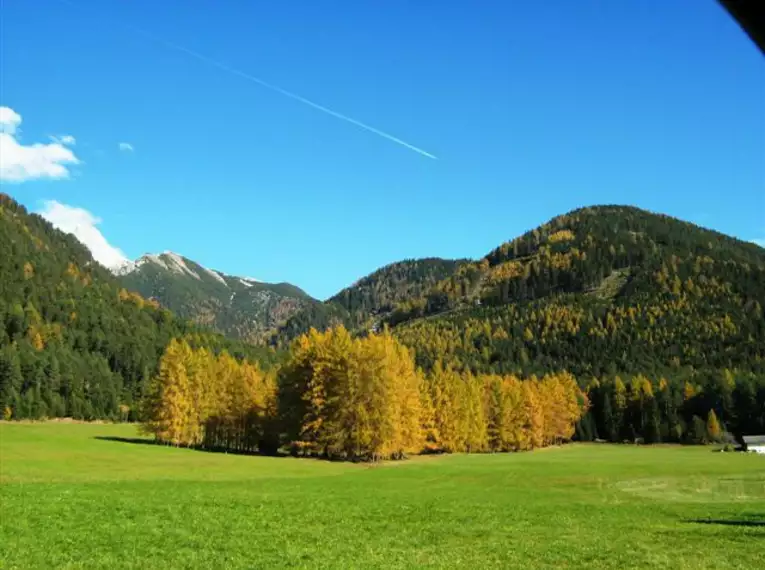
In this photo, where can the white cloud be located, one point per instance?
(82, 224)
(68, 140)
(9, 120)
(760, 242)
(127, 147)
(19, 162)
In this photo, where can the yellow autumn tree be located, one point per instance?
(493, 403)
(431, 436)
(475, 428)
(199, 399)
(201, 375)
(352, 398)
(169, 402)
(388, 389)
(505, 413)
(445, 391)
(359, 399)
(714, 431)
(534, 419)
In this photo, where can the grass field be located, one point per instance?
(70, 499)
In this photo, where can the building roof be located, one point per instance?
(754, 439)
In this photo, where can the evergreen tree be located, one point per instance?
(609, 419)
(653, 425)
(10, 383)
(699, 430)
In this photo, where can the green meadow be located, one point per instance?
(98, 496)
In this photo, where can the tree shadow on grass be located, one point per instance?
(282, 452)
(754, 521)
(140, 440)
(224, 450)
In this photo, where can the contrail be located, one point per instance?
(267, 85)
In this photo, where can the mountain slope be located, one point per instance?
(379, 291)
(73, 342)
(241, 308)
(600, 290)
(597, 291)
(371, 299)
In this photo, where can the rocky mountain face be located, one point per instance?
(239, 307)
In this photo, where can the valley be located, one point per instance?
(395, 285)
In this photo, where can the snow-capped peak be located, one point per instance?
(215, 275)
(122, 268)
(170, 261)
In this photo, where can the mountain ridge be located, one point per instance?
(598, 292)
(180, 265)
(597, 262)
(370, 299)
(600, 251)
(569, 293)
(240, 307)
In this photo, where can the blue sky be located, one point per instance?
(532, 108)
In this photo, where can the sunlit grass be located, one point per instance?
(70, 500)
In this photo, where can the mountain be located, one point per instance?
(73, 341)
(369, 301)
(602, 293)
(660, 322)
(380, 291)
(239, 307)
(598, 291)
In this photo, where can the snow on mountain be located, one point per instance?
(170, 261)
(241, 307)
(175, 263)
(123, 268)
(215, 275)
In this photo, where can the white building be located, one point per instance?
(754, 443)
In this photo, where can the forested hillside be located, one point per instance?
(379, 292)
(368, 302)
(73, 341)
(632, 303)
(599, 291)
(605, 252)
(240, 308)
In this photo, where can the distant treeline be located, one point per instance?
(682, 412)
